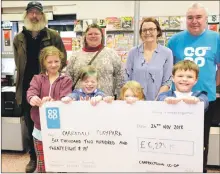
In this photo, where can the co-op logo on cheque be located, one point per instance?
(52, 113)
(199, 52)
(53, 118)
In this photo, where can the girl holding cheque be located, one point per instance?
(49, 85)
(130, 92)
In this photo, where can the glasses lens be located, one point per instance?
(150, 30)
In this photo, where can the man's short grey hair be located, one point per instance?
(198, 5)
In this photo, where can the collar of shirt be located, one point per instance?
(141, 48)
(196, 36)
(182, 94)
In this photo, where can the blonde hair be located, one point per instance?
(88, 71)
(50, 51)
(135, 87)
(186, 65)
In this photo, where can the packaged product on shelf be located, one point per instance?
(164, 22)
(78, 25)
(77, 43)
(123, 42)
(120, 42)
(174, 22)
(101, 23)
(127, 23)
(130, 40)
(113, 23)
(87, 22)
(110, 40)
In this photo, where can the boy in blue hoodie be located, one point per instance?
(185, 76)
(89, 88)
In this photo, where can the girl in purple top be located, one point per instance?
(150, 63)
(49, 85)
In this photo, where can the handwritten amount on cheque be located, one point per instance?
(72, 140)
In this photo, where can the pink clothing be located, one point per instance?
(41, 87)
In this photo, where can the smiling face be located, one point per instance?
(149, 32)
(89, 84)
(196, 20)
(93, 37)
(184, 80)
(52, 64)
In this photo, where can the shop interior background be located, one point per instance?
(70, 19)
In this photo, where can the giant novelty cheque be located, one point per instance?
(142, 137)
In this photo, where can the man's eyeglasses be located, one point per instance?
(151, 30)
(37, 13)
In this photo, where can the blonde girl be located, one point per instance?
(132, 91)
(49, 85)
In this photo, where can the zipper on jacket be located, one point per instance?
(50, 89)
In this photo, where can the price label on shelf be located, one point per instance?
(213, 19)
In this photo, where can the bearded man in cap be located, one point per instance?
(27, 46)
